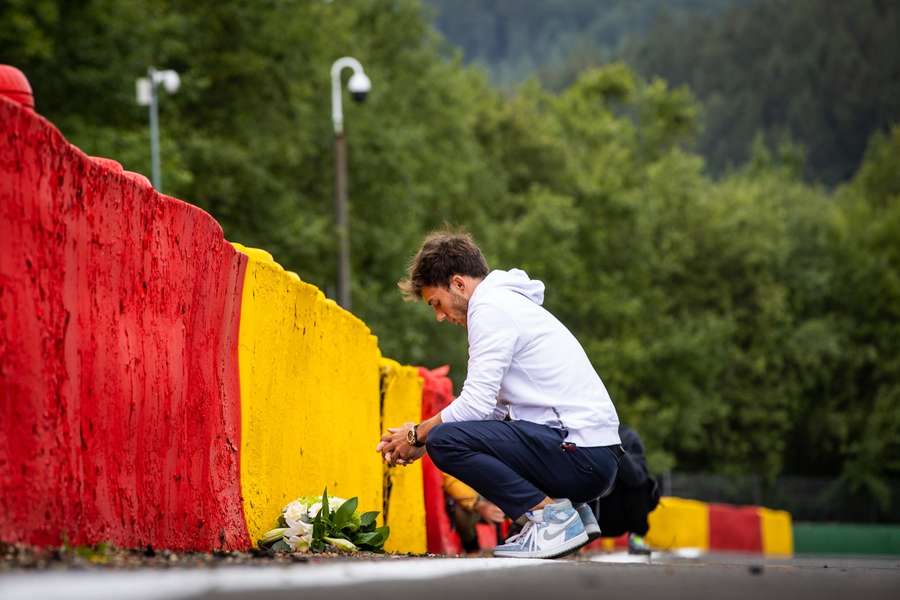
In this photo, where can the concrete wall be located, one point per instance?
(159, 386)
(119, 396)
(309, 374)
(404, 495)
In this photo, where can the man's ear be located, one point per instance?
(458, 283)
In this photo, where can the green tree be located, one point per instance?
(822, 73)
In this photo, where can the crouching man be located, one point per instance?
(534, 430)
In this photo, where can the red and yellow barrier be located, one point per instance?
(678, 523)
(161, 386)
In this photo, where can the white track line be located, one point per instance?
(620, 558)
(182, 583)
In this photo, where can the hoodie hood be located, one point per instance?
(514, 280)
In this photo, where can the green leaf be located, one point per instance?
(325, 512)
(353, 525)
(344, 513)
(373, 539)
(367, 520)
(366, 539)
(318, 527)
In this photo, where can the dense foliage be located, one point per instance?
(822, 73)
(744, 325)
(555, 39)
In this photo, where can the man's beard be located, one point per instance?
(460, 305)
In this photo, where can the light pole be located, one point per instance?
(147, 96)
(359, 86)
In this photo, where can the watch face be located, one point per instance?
(411, 437)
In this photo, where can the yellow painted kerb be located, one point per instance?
(777, 532)
(679, 523)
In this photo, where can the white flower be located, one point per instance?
(298, 543)
(295, 513)
(333, 504)
(302, 528)
(299, 538)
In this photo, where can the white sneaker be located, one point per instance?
(591, 526)
(554, 531)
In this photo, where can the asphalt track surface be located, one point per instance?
(600, 576)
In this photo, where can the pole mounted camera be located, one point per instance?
(148, 95)
(359, 87)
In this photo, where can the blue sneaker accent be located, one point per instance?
(555, 531)
(591, 526)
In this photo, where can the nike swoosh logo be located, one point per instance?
(549, 537)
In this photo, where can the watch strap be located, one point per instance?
(417, 443)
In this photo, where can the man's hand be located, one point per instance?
(414, 454)
(394, 448)
(489, 511)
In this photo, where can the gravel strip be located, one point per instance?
(19, 557)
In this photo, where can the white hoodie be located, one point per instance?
(525, 363)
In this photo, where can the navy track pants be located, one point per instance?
(516, 464)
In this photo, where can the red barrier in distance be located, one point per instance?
(734, 528)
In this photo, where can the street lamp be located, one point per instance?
(359, 86)
(147, 96)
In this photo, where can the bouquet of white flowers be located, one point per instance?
(311, 523)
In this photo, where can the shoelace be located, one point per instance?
(529, 541)
(514, 538)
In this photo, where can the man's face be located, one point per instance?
(449, 303)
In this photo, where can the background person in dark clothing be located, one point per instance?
(634, 497)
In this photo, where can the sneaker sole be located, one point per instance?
(593, 532)
(571, 546)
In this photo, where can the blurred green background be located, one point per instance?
(710, 189)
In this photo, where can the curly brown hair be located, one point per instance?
(443, 254)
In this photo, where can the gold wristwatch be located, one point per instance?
(412, 437)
